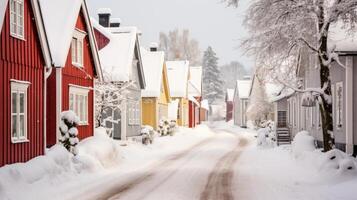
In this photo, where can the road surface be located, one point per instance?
(203, 171)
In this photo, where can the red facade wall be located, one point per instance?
(229, 110)
(101, 40)
(21, 60)
(84, 77)
(192, 113)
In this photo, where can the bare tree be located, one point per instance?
(281, 28)
(179, 45)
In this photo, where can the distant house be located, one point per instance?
(24, 60)
(156, 95)
(195, 95)
(178, 75)
(122, 65)
(204, 110)
(240, 102)
(70, 85)
(229, 104)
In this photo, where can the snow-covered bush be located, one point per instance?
(148, 134)
(266, 137)
(303, 142)
(166, 127)
(69, 132)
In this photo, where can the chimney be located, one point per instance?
(115, 22)
(154, 47)
(104, 16)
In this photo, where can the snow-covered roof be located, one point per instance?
(59, 31)
(192, 98)
(177, 72)
(117, 57)
(243, 87)
(204, 104)
(230, 94)
(3, 6)
(342, 38)
(153, 63)
(104, 11)
(195, 87)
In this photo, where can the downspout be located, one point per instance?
(349, 105)
(47, 74)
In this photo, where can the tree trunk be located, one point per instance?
(326, 99)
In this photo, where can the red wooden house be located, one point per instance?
(24, 56)
(229, 104)
(75, 63)
(195, 95)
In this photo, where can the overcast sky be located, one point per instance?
(209, 21)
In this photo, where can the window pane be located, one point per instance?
(14, 126)
(14, 102)
(20, 6)
(22, 102)
(81, 107)
(74, 50)
(71, 102)
(80, 51)
(76, 109)
(22, 126)
(12, 6)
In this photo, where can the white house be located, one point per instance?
(240, 102)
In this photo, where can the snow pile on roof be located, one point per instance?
(230, 94)
(59, 31)
(342, 39)
(104, 11)
(3, 6)
(177, 72)
(204, 104)
(243, 87)
(153, 63)
(195, 88)
(117, 57)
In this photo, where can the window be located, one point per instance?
(17, 18)
(77, 48)
(282, 119)
(19, 111)
(78, 103)
(134, 113)
(339, 104)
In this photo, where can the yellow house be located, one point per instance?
(156, 95)
(178, 74)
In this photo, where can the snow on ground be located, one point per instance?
(294, 172)
(100, 162)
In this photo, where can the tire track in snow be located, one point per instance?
(219, 183)
(113, 192)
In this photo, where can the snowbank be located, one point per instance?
(58, 166)
(303, 142)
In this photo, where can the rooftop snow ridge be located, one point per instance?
(104, 11)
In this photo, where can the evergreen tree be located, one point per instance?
(212, 82)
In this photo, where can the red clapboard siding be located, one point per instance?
(21, 60)
(84, 77)
(51, 110)
(101, 40)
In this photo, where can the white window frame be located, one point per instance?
(19, 88)
(77, 48)
(17, 21)
(79, 103)
(339, 105)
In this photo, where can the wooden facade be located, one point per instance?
(75, 76)
(22, 60)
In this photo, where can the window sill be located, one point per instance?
(83, 124)
(17, 141)
(18, 37)
(77, 65)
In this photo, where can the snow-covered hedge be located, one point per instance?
(266, 136)
(148, 134)
(69, 132)
(167, 127)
